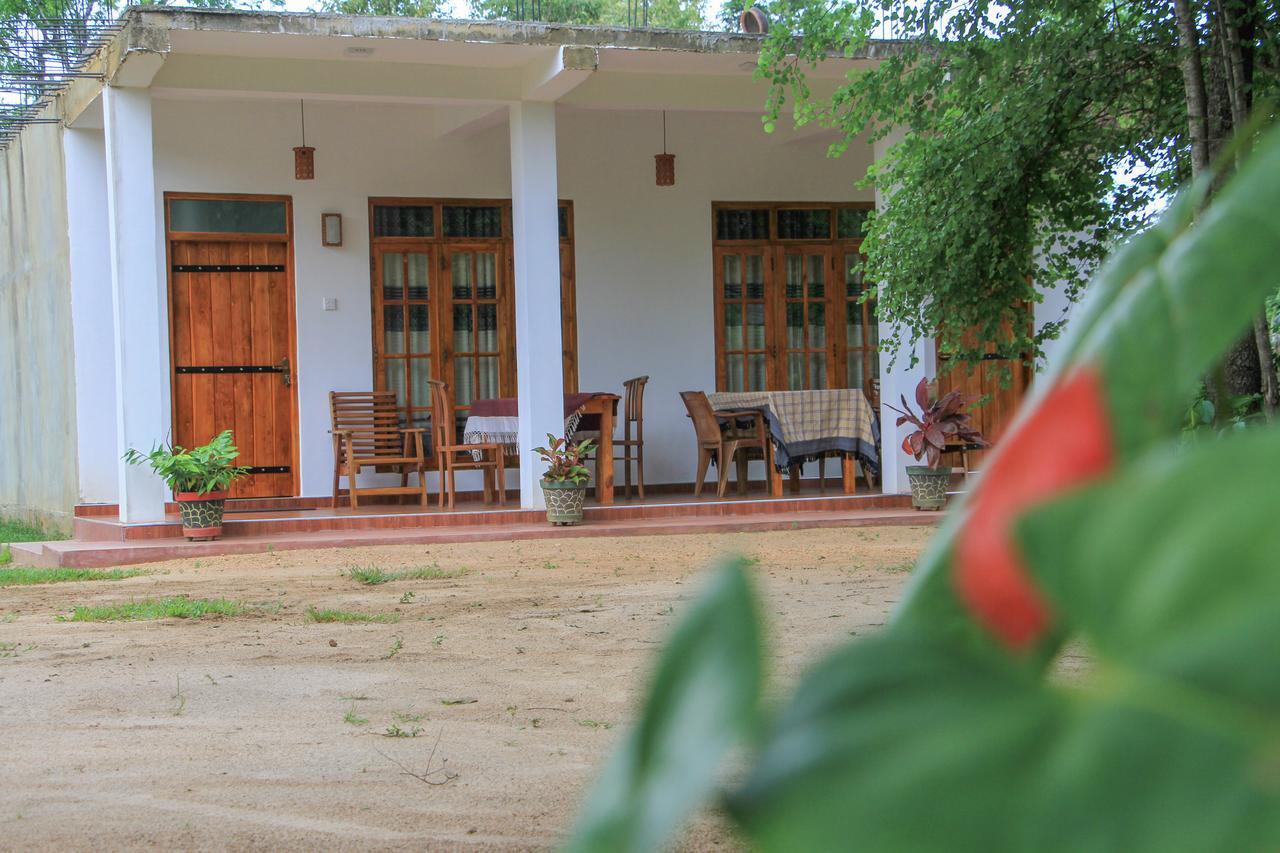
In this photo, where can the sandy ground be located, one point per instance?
(229, 733)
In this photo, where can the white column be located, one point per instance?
(535, 221)
(93, 334)
(137, 294)
(900, 379)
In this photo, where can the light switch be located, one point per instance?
(330, 303)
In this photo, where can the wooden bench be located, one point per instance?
(367, 434)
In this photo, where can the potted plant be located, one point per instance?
(940, 423)
(199, 479)
(564, 481)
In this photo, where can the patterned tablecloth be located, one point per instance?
(808, 424)
(496, 422)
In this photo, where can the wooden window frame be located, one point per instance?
(774, 251)
(440, 250)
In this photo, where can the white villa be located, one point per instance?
(483, 210)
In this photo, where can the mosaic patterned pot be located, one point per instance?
(928, 486)
(564, 502)
(201, 514)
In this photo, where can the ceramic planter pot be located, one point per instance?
(564, 502)
(201, 514)
(929, 486)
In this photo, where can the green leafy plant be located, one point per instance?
(204, 469)
(566, 462)
(947, 730)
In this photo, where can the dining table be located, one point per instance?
(808, 425)
(591, 414)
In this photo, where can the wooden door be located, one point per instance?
(803, 326)
(404, 341)
(742, 326)
(479, 344)
(232, 345)
(983, 381)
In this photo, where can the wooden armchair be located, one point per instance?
(452, 456)
(367, 433)
(725, 442)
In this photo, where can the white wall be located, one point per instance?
(95, 366)
(644, 274)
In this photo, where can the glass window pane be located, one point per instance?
(795, 371)
(795, 325)
(853, 222)
(464, 389)
(733, 326)
(853, 324)
(419, 373)
(817, 370)
(487, 333)
(817, 325)
(421, 418)
(804, 224)
(419, 275)
(745, 224)
(407, 220)
(486, 275)
(392, 329)
(817, 275)
(755, 372)
(461, 268)
(854, 285)
(873, 327)
(463, 336)
(564, 222)
(795, 281)
(755, 326)
(392, 276)
(732, 277)
(394, 371)
(854, 367)
(419, 330)
(733, 372)
(472, 221)
(487, 386)
(755, 277)
(228, 216)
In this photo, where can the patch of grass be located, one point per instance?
(13, 530)
(348, 617)
(351, 718)
(394, 730)
(395, 649)
(406, 717)
(595, 724)
(407, 598)
(25, 575)
(5, 555)
(157, 608)
(375, 575)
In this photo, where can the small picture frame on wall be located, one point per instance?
(331, 229)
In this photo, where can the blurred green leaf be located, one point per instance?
(703, 701)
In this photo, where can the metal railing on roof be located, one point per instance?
(38, 58)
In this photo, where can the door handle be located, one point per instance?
(285, 372)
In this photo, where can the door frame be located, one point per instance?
(291, 302)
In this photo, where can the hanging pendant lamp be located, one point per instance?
(304, 156)
(665, 163)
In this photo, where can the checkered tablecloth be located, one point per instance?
(494, 426)
(808, 424)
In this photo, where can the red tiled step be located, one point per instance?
(91, 554)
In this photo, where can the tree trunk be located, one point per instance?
(1193, 83)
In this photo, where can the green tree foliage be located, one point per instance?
(667, 14)
(946, 731)
(1020, 118)
(388, 8)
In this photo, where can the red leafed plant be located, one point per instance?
(941, 422)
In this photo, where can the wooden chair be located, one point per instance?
(452, 456)
(367, 433)
(720, 437)
(630, 449)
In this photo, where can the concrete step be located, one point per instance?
(32, 554)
